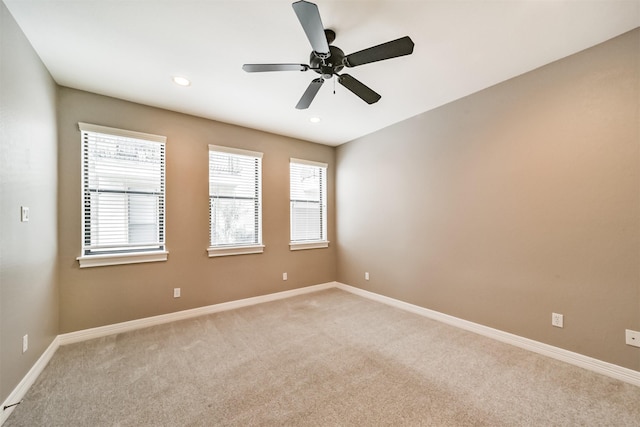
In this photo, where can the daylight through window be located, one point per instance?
(123, 181)
(235, 201)
(308, 210)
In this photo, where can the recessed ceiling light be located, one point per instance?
(181, 81)
(314, 119)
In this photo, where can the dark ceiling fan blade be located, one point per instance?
(258, 68)
(359, 88)
(309, 94)
(309, 18)
(393, 49)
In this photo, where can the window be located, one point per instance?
(123, 196)
(235, 201)
(308, 190)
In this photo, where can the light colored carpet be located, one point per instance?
(322, 359)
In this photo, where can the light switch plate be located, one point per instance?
(24, 214)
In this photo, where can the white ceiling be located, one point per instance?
(131, 49)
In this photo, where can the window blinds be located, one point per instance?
(308, 188)
(235, 183)
(123, 180)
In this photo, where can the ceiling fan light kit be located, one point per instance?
(328, 60)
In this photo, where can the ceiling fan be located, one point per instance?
(328, 60)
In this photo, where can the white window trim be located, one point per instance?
(87, 127)
(117, 259)
(309, 163)
(313, 244)
(299, 246)
(239, 151)
(217, 251)
(87, 261)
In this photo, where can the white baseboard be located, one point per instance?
(117, 328)
(614, 371)
(21, 389)
(73, 337)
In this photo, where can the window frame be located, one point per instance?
(119, 254)
(238, 249)
(323, 242)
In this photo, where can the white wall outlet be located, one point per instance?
(366, 275)
(24, 214)
(632, 338)
(284, 276)
(557, 320)
(176, 292)
(25, 343)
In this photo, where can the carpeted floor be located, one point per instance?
(322, 359)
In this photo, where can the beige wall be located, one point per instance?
(92, 297)
(512, 203)
(499, 208)
(28, 177)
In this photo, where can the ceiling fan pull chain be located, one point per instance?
(334, 85)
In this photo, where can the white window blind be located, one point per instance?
(308, 188)
(235, 197)
(123, 181)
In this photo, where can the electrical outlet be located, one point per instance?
(25, 343)
(366, 275)
(557, 320)
(284, 276)
(632, 338)
(176, 292)
(24, 214)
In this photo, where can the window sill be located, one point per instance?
(118, 259)
(299, 246)
(234, 250)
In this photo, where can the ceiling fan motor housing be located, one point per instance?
(329, 66)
